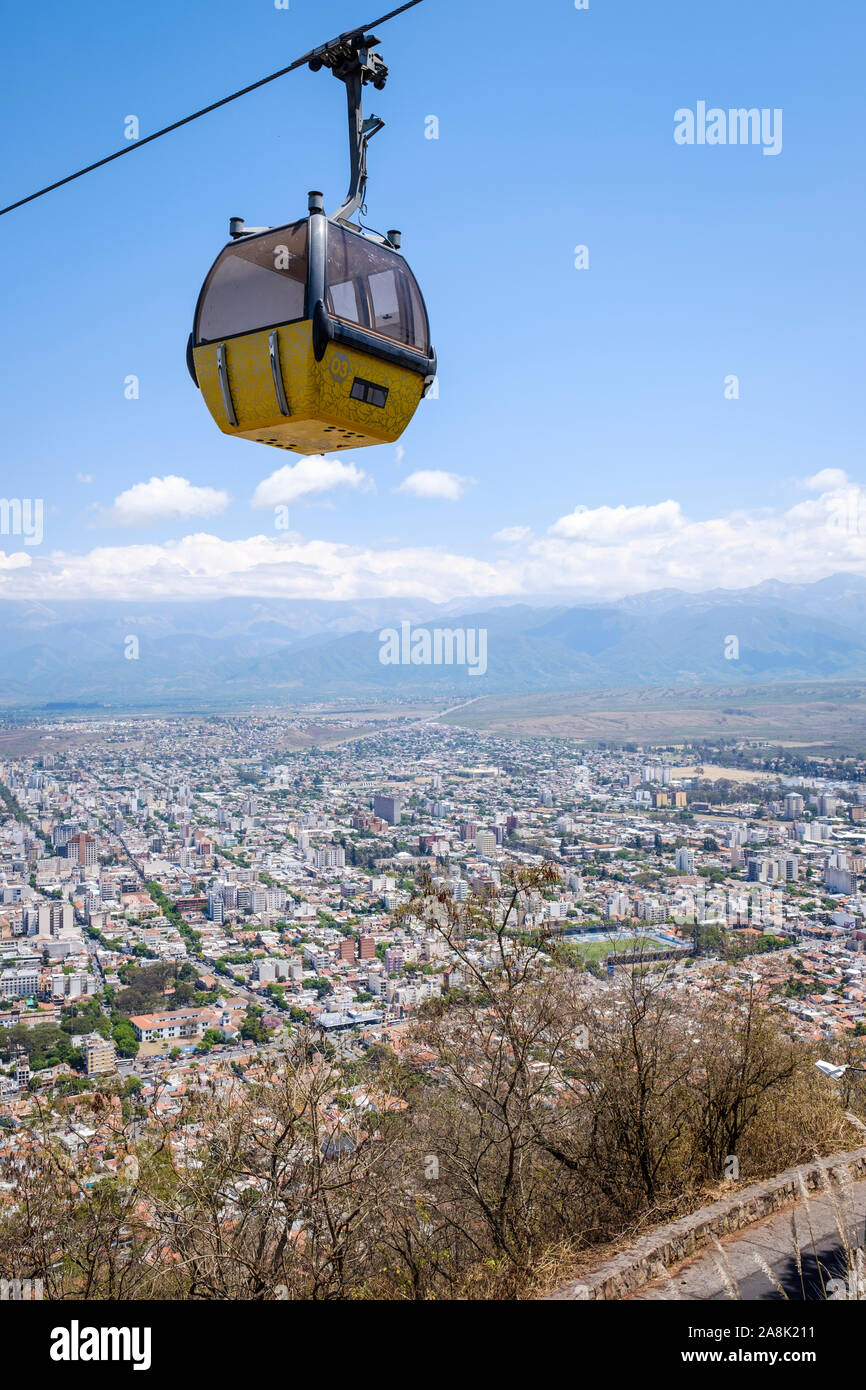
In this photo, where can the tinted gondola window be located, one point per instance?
(372, 286)
(344, 301)
(255, 284)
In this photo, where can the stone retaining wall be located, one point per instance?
(667, 1246)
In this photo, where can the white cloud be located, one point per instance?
(512, 534)
(611, 551)
(826, 480)
(609, 525)
(163, 499)
(433, 482)
(309, 475)
(605, 552)
(288, 566)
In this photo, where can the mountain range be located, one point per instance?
(240, 650)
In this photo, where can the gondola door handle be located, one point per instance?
(225, 387)
(277, 372)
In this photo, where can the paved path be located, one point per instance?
(700, 1278)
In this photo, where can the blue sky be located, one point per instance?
(560, 389)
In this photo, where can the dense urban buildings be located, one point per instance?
(180, 897)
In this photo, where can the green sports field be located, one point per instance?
(603, 946)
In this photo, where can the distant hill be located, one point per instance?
(248, 649)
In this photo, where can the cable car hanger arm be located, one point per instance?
(354, 63)
(308, 59)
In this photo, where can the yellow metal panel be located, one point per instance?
(324, 415)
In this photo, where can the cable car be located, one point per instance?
(314, 336)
